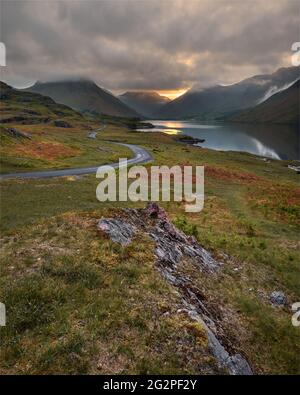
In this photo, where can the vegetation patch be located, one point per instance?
(44, 150)
(97, 308)
(230, 175)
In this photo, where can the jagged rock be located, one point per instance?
(155, 211)
(117, 229)
(237, 365)
(172, 245)
(16, 133)
(278, 298)
(62, 124)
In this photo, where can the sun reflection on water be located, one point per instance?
(171, 131)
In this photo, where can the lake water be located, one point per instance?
(272, 141)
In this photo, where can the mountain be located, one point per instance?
(31, 108)
(214, 102)
(85, 96)
(282, 107)
(145, 103)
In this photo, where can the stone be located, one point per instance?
(118, 230)
(16, 133)
(237, 365)
(172, 245)
(278, 298)
(155, 211)
(62, 124)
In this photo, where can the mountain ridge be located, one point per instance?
(282, 107)
(145, 103)
(84, 95)
(214, 102)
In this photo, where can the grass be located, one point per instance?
(78, 303)
(50, 148)
(91, 309)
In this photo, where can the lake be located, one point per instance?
(272, 141)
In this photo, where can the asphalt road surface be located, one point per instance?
(141, 156)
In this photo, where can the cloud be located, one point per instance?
(275, 89)
(132, 44)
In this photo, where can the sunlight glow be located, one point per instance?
(173, 94)
(171, 131)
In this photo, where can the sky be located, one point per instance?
(164, 45)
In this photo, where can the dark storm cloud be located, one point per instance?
(147, 44)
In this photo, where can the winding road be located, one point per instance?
(141, 156)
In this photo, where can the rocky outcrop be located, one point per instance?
(62, 124)
(189, 140)
(16, 133)
(171, 248)
(119, 231)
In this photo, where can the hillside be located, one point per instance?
(145, 103)
(213, 102)
(82, 303)
(282, 107)
(38, 133)
(85, 96)
(26, 107)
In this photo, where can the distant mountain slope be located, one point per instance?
(27, 107)
(213, 102)
(84, 95)
(282, 107)
(145, 103)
